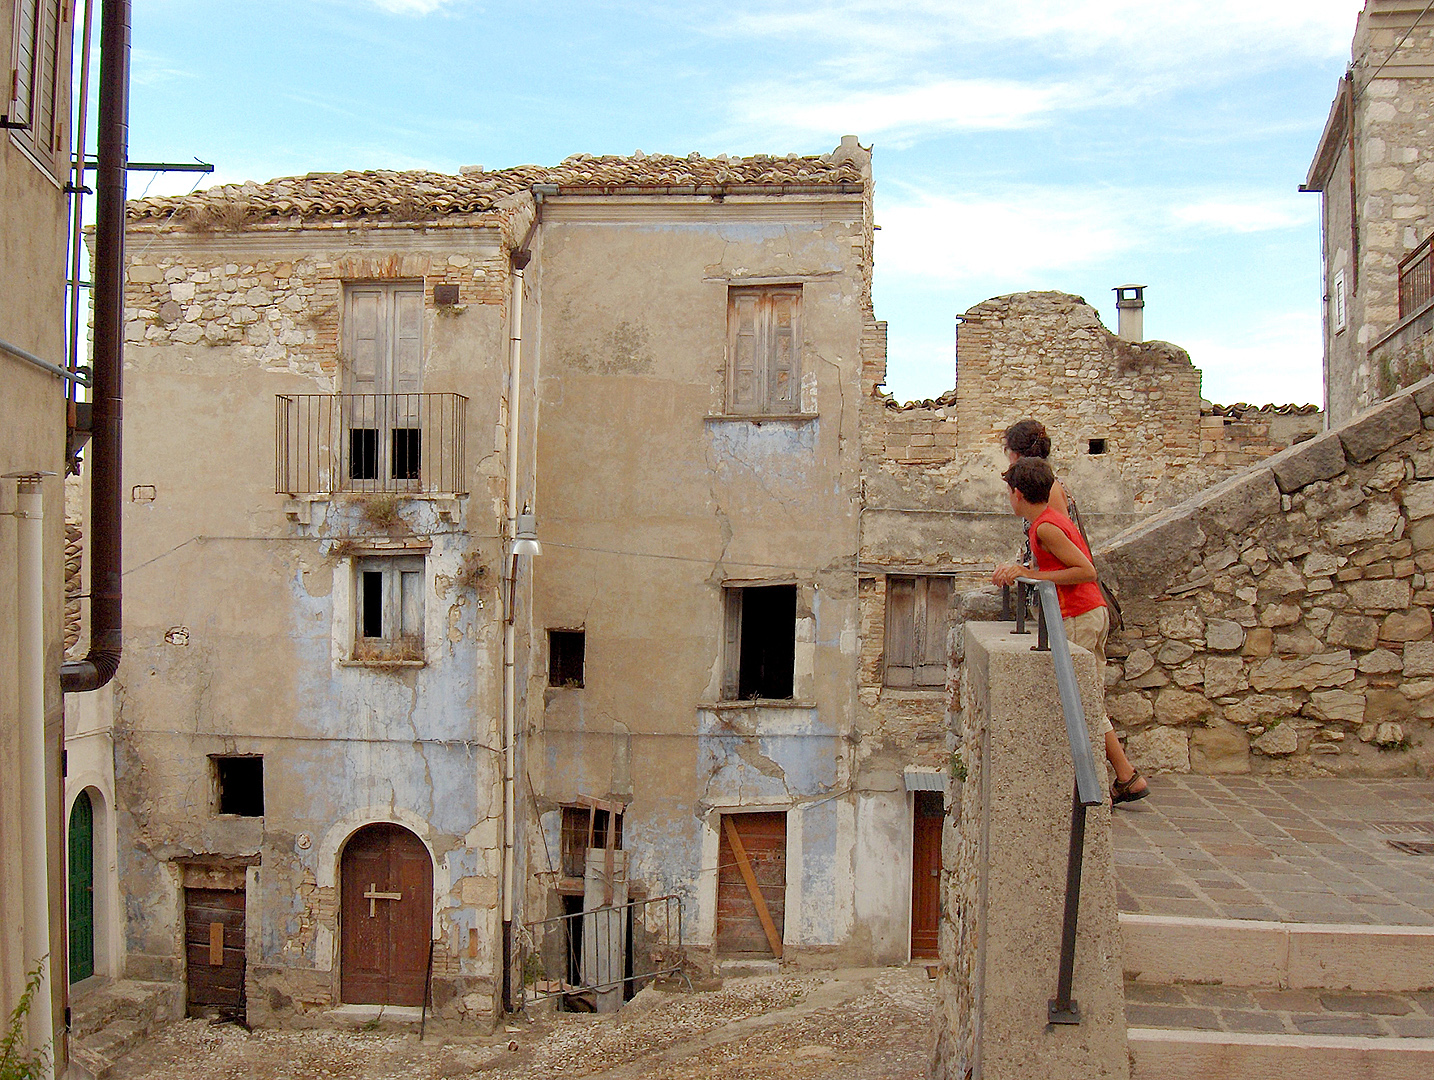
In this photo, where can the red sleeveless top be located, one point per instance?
(1075, 599)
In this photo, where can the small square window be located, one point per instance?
(1096, 446)
(239, 785)
(760, 645)
(565, 657)
(389, 611)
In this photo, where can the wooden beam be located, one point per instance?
(748, 876)
(216, 944)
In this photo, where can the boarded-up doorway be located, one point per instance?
(386, 917)
(214, 952)
(751, 884)
(927, 817)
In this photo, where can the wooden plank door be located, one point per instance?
(740, 924)
(386, 917)
(82, 889)
(926, 873)
(214, 952)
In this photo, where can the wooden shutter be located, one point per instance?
(934, 605)
(900, 631)
(366, 326)
(731, 642)
(26, 46)
(406, 354)
(743, 342)
(781, 351)
(47, 62)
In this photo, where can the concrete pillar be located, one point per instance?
(1004, 899)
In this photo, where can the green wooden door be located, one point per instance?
(82, 889)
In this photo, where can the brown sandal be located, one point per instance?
(1120, 790)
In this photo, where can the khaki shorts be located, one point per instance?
(1090, 631)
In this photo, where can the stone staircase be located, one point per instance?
(1247, 1000)
(108, 1019)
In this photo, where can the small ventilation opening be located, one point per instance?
(240, 782)
(1097, 446)
(565, 657)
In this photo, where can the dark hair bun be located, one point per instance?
(1028, 438)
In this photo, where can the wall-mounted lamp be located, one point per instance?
(525, 539)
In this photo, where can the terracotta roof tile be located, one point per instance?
(422, 195)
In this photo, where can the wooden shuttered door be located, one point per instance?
(752, 867)
(917, 613)
(82, 888)
(386, 917)
(214, 952)
(764, 348)
(927, 818)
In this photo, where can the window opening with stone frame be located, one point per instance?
(565, 657)
(918, 610)
(239, 785)
(764, 350)
(388, 608)
(759, 647)
(383, 346)
(37, 106)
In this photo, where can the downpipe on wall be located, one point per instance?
(510, 682)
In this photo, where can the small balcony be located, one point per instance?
(379, 443)
(1416, 279)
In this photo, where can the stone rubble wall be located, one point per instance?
(1280, 621)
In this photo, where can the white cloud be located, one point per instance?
(1247, 215)
(410, 7)
(1277, 360)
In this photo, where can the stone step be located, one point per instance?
(1165, 1054)
(1161, 949)
(109, 1019)
(99, 1051)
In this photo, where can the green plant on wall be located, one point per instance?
(16, 1063)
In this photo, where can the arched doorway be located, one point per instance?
(82, 888)
(385, 916)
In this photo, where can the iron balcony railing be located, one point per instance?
(1061, 1009)
(370, 443)
(1416, 278)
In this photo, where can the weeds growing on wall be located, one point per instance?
(16, 1063)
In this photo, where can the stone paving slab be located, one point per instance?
(1279, 1012)
(1280, 849)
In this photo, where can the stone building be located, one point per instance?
(1374, 170)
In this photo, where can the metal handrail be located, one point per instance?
(1062, 1009)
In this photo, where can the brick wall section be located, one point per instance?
(1280, 621)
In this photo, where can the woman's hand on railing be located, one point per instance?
(1007, 573)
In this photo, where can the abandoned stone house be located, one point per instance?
(1375, 177)
(364, 708)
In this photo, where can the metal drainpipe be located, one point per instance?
(107, 391)
(510, 686)
(30, 514)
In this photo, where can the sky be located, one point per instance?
(1073, 145)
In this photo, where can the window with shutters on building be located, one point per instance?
(764, 350)
(388, 608)
(383, 383)
(36, 112)
(760, 642)
(917, 614)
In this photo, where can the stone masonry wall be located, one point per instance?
(1280, 621)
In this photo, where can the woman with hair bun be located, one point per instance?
(1028, 439)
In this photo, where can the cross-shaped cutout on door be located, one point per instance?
(373, 894)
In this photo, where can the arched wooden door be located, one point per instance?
(82, 888)
(386, 917)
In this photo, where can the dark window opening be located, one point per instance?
(565, 657)
(372, 604)
(363, 454)
(762, 625)
(407, 453)
(240, 785)
(585, 827)
(1097, 446)
(445, 294)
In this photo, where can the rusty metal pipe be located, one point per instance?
(107, 391)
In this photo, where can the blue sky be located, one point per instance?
(1030, 144)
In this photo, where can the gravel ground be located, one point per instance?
(856, 1024)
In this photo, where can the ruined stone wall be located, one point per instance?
(1280, 622)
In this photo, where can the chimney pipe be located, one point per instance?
(107, 389)
(1130, 312)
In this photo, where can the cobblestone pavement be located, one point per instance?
(1242, 847)
(1279, 1012)
(855, 1025)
